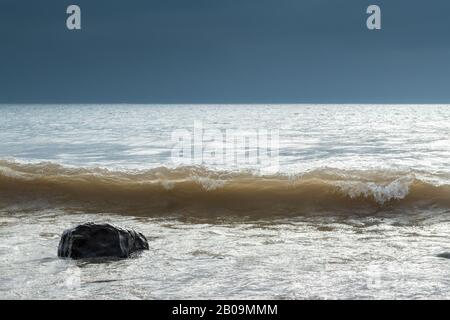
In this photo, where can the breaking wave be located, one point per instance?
(196, 190)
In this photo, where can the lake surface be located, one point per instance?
(237, 201)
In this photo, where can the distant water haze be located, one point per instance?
(347, 137)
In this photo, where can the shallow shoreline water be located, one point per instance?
(303, 258)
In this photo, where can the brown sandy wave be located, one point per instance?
(193, 190)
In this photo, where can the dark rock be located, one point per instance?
(91, 240)
(445, 255)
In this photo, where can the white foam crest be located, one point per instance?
(10, 173)
(382, 193)
(209, 184)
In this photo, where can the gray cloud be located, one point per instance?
(249, 51)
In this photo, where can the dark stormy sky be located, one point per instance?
(224, 51)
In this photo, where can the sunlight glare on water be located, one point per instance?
(378, 173)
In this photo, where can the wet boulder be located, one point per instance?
(92, 240)
(445, 255)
